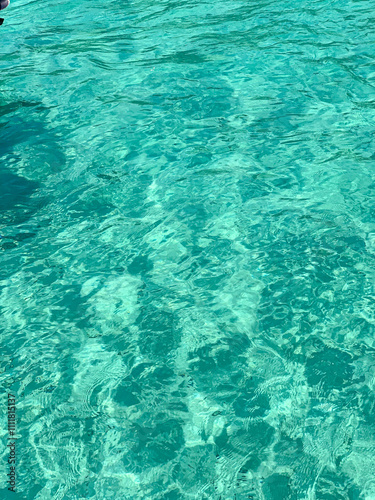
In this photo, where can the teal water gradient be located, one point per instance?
(188, 248)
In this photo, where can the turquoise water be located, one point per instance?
(188, 248)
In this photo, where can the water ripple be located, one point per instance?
(187, 246)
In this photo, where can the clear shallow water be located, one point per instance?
(187, 249)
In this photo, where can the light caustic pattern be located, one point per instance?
(187, 248)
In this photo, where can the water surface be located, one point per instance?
(187, 248)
